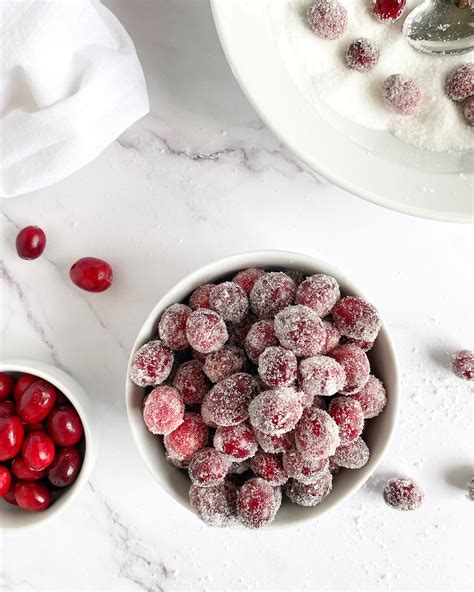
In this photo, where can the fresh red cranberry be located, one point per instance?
(237, 441)
(403, 494)
(246, 278)
(65, 467)
(187, 438)
(163, 410)
(32, 496)
(6, 386)
(269, 467)
(300, 330)
(321, 376)
(460, 82)
(91, 274)
(352, 456)
(356, 318)
(61, 399)
(5, 480)
(216, 506)
(276, 411)
(468, 110)
(230, 301)
(36, 402)
(223, 363)
(30, 242)
(362, 55)
(356, 366)
(316, 435)
(226, 404)
(23, 471)
(206, 331)
(388, 11)
(11, 437)
(22, 384)
(319, 292)
(309, 494)
(327, 18)
(278, 366)
(7, 408)
(272, 292)
(303, 469)
(372, 397)
(38, 450)
(9, 496)
(274, 443)
(208, 467)
(349, 417)
(260, 336)
(463, 364)
(151, 364)
(257, 503)
(200, 297)
(172, 326)
(401, 94)
(64, 426)
(191, 382)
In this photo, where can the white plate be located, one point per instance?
(369, 163)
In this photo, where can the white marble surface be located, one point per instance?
(197, 179)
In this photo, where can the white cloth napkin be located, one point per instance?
(70, 84)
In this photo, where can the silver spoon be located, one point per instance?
(441, 27)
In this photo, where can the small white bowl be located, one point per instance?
(382, 358)
(13, 518)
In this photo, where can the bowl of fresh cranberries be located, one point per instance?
(48, 442)
(263, 390)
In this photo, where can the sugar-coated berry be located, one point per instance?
(372, 397)
(6, 386)
(333, 466)
(349, 417)
(151, 364)
(191, 382)
(401, 94)
(38, 450)
(223, 363)
(327, 18)
(311, 494)
(362, 55)
(356, 318)
(163, 410)
(189, 437)
(274, 443)
(275, 411)
(321, 376)
(32, 496)
(269, 467)
(352, 456)
(91, 274)
(238, 441)
(208, 467)
(468, 110)
(24, 472)
(460, 82)
(230, 301)
(463, 364)
(403, 494)
(216, 506)
(22, 384)
(364, 345)
(36, 402)
(172, 326)
(11, 437)
(65, 426)
(303, 469)
(7, 408)
(226, 404)
(5, 480)
(260, 336)
(200, 297)
(388, 11)
(356, 366)
(316, 435)
(319, 292)
(277, 367)
(247, 277)
(30, 242)
(271, 293)
(257, 503)
(206, 330)
(66, 466)
(301, 330)
(332, 337)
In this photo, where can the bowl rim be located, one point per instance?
(226, 266)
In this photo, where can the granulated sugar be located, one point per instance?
(318, 68)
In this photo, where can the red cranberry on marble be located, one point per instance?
(91, 274)
(30, 242)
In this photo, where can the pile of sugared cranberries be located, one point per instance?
(460, 87)
(260, 385)
(41, 442)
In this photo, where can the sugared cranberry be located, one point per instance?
(11, 437)
(5, 480)
(319, 292)
(388, 11)
(200, 297)
(269, 467)
(257, 503)
(356, 318)
(276, 411)
(349, 417)
(403, 494)
(30, 242)
(271, 293)
(401, 94)
(230, 301)
(260, 336)
(23, 471)
(327, 18)
(163, 410)
(468, 110)
(356, 366)
(226, 404)
(191, 382)
(206, 331)
(91, 274)
(352, 456)
(277, 367)
(66, 467)
(463, 364)
(303, 469)
(364, 345)
(22, 384)
(223, 363)
(36, 402)
(316, 435)
(216, 506)
(372, 397)
(32, 496)
(460, 82)
(333, 466)
(237, 441)
(312, 494)
(7, 408)
(301, 330)
(362, 55)
(332, 337)
(321, 376)
(274, 443)
(189, 437)
(172, 326)
(38, 450)
(208, 467)
(65, 426)
(6, 386)
(246, 279)
(151, 364)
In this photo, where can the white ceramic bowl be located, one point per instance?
(14, 518)
(372, 164)
(382, 357)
